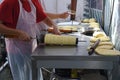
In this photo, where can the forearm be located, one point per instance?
(14, 33)
(9, 31)
(49, 22)
(53, 16)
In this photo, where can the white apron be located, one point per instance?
(19, 51)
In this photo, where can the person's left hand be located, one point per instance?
(64, 15)
(56, 30)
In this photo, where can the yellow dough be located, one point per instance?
(105, 46)
(97, 29)
(103, 43)
(73, 28)
(107, 52)
(94, 25)
(102, 39)
(99, 34)
(89, 20)
(85, 20)
(106, 43)
(60, 39)
(92, 20)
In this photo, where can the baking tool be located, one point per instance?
(82, 41)
(72, 22)
(59, 39)
(72, 13)
(93, 47)
(77, 40)
(51, 39)
(50, 30)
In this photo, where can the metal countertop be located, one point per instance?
(78, 52)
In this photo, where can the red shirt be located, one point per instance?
(9, 12)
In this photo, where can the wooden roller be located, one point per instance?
(93, 47)
(52, 39)
(50, 30)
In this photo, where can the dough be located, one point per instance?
(65, 29)
(99, 34)
(59, 39)
(72, 28)
(107, 52)
(104, 43)
(85, 20)
(102, 39)
(105, 46)
(89, 20)
(92, 20)
(94, 25)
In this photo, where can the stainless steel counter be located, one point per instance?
(72, 57)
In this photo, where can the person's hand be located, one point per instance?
(56, 30)
(24, 36)
(64, 15)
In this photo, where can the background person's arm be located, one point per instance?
(56, 16)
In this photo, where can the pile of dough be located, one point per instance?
(60, 39)
(105, 47)
(99, 34)
(72, 28)
(103, 43)
(97, 29)
(107, 52)
(92, 20)
(85, 20)
(102, 39)
(65, 29)
(94, 25)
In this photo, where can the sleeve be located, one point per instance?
(6, 12)
(40, 13)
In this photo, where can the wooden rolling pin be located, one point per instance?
(50, 30)
(52, 39)
(93, 47)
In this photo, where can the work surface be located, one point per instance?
(60, 52)
(72, 57)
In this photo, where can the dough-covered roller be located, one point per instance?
(52, 39)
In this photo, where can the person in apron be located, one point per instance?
(18, 49)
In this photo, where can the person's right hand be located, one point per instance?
(24, 36)
(64, 15)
